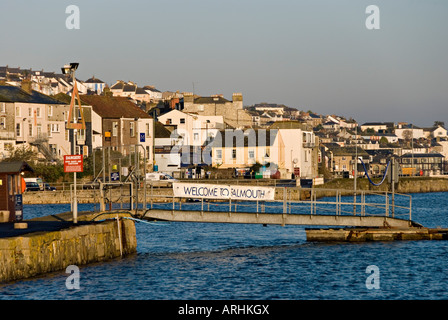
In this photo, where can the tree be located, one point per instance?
(23, 153)
(383, 142)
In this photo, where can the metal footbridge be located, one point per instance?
(285, 206)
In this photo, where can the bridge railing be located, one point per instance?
(296, 200)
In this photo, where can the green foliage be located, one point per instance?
(22, 153)
(48, 173)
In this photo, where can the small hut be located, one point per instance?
(12, 186)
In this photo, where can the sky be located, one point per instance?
(307, 54)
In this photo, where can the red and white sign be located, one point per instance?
(73, 163)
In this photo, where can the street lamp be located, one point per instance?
(69, 69)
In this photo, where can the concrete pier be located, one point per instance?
(375, 234)
(58, 244)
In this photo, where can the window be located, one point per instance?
(38, 112)
(251, 154)
(18, 131)
(3, 123)
(234, 154)
(18, 113)
(114, 128)
(66, 135)
(30, 129)
(218, 154)
(147, 130)
(132, 129)
(30, 112)
(182, 120)
(81, 134)
(85, 151)
(49, 129)
(2, 107)
(50, 111)
(196, 136)
(38, 129)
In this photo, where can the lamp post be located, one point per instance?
(70, 70)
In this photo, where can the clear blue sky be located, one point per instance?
(310, 54)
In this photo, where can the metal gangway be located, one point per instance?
(291, 206)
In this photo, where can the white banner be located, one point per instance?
(221, 191)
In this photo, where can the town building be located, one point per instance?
(95, 85)
(29, 117)
(232, 111)
(195, 129)
(123, 125)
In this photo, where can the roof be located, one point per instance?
(16, 94)
(66, 98)
(114, 107)
(140, 91)
(288, 125)
(129, 88)
(93, 80)
(14, 166)
(422, 155)
(210, 100)
(390, 124)
(161, 131)
(349, 151)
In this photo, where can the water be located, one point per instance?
(198, 261)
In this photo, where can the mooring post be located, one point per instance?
(119, 236)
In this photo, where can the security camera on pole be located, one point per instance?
(74, 163)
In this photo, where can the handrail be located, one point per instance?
(369, 206)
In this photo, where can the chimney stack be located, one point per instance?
(26, 86)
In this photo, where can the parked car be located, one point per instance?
(47, 187)
(32, 186)
(160, 179)
(39, 182)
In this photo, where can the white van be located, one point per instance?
(37, 180)
(160, 179)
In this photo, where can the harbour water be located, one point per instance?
(195, 261)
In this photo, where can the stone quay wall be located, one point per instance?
(43, 252)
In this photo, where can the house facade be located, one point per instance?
(195, 129)
(291, 151)
(31, 118)
(124, 127)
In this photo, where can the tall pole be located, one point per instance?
(75, 200)
(356, 173)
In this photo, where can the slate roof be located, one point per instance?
(422, 155)
(16, 94)
(94, 80)
(114, 107)
(210, 100)
(14, 166)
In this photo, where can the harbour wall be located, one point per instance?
(43, 252)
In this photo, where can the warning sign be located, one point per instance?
(73, 163)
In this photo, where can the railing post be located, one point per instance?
(285, 208)
(387, 205)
